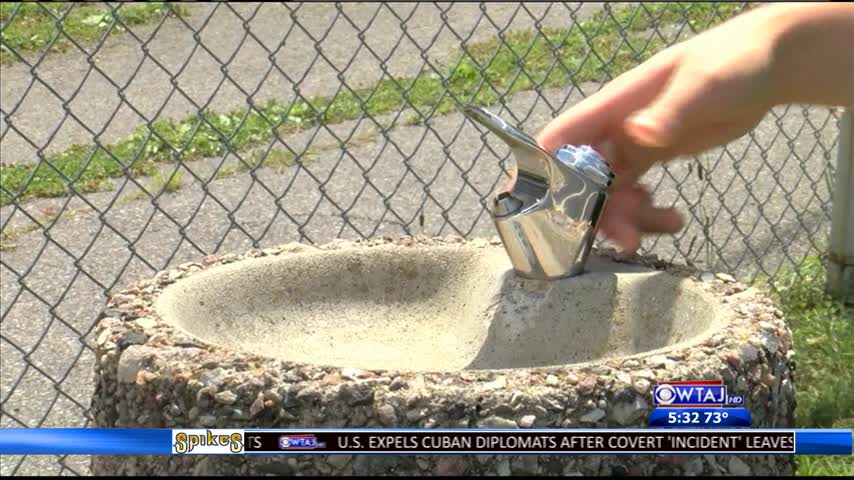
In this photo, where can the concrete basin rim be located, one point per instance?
(172, 307)
(728, 332)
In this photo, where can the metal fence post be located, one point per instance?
(840, 270)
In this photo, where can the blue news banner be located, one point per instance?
(78, 441)
(690, 417)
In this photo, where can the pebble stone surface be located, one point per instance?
(152, 375)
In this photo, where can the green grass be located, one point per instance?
(46, 217)
(279, 159)
(824, 341)
(132, 197)
(9, 236)
(87, 168)
(166, 183)
(35, 26)
(482, 73)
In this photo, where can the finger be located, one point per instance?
(632, 205)
(621, 231)
(658, 220)
(590, 120)
(647, 217)
(630, 160)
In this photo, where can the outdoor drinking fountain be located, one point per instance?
(548, 216)
(436, 333)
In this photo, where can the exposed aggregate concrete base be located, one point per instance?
(152, 373)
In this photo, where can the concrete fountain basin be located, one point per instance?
(426, 333)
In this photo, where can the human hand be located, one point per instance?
(698, 94)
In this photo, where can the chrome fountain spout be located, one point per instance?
(548, 216)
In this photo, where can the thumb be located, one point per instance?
(665, 121)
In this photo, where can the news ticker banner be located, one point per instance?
(90, 441)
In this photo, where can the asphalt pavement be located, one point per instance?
(222, 54)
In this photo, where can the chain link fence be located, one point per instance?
(137, 137)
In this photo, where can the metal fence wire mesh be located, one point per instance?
(138, 137)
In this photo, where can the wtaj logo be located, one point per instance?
(300, 442)
(707, 393)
